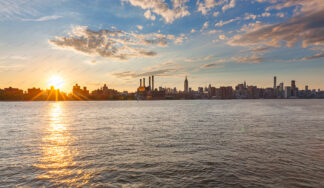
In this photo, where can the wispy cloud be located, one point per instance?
(41, 19)
(231, 4)
(206, 58)
(16, 9)
(139, 27)
(160, 7)
(29, 10)
(205, 26)
(205, 5)
(211, 65)
(13, 57)
(248, 59)
(316, 56)
(221, 23)
(131, 74)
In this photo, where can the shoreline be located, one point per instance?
(152, 100)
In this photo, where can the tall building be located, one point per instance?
(287, 92)
(186, 85)
(281, 87)
(293, 88)
(274, 82)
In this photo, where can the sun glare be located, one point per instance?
(56, 81)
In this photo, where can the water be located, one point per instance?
(201, 143)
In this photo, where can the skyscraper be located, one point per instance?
(293, 88)
(275, 82)
(186, 86)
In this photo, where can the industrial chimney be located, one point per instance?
(152, 83)
(140, 82)
(143, 82)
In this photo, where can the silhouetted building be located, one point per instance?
(153, 83)
(80, 94)
(186, 86)
(253, 92)
(293, 88)
(241, 91)
(226, 92)
(104, 93)
(12, 94)
(35, 94)
(287, 92)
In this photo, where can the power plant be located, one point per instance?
(149, 92)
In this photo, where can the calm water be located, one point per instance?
(201, 143)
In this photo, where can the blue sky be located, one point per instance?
(218, 42)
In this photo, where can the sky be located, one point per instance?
(117, 42)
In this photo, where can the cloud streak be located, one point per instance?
(211, 65)
(248, 59)
(44, 18)
(306, 27)
(316, 56)
(131, 74)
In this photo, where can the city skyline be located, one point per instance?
(221, 43)
(148, 91)
(57, 83)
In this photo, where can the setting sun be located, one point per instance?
(56, 81)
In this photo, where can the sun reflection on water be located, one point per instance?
(57, 160)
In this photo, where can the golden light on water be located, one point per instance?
(57, 160)
(56, 81)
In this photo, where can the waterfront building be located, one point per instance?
(152, 83)
(226, 92)
(186, 86)
(104, 93)
(275, 83)
(253, 92)
(293, 88)
(241, 91)
(200, 90)
(83, 94)
(12, 94)
(287, 92)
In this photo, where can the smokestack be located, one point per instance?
(152, 82)
(143, 82)
(140, 82)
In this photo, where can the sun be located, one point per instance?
(56, 81)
